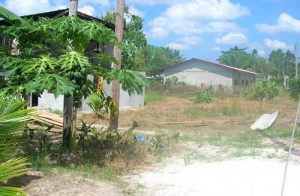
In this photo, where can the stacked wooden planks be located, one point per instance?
(49, 119)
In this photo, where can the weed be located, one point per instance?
(231, 110)
(203, 97)
(262, 91)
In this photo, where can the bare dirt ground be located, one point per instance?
(247, 177)
(174, 176)
(64, 184)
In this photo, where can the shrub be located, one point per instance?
(294, 88)
(172, 81)
(262, 91)
(203, 97)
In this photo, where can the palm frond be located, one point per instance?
(13, 168)
(11, 191)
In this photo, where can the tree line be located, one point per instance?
(278, 64)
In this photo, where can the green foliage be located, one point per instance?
(134, 38)
(203, 97)
(262, 91)
(10, 16)
(294, 88)
(132, 82)
(172, 81)
(12, 119)
(100, 104)
(59, 62)
(152, 59)
(237, 57)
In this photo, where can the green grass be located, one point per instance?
(231, 110)
(281, 133)
(200, 111)
(153, 96)
(247, 139)
(55, 111)
(221, 146)
(90, 170)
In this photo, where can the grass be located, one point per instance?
(152, 96)
(246, 139)
(223, 134)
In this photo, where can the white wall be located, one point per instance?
(199, 73)
(47, 100)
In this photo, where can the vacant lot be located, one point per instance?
(216, 153)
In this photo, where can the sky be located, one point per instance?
(198, 28)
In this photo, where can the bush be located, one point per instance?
(203, 97)
(294, 88)
(262, 91)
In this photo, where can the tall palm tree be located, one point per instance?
(13, 118)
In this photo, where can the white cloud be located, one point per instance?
(220, 27)
(24, 7)
(87, 9)
(136, 12)
(200, 16)
(216, 49)
(193, 40)
(178, 46)
(285, 23)
(185, 43)
(95, 2)
(232, 38)
(152, 2)
(30, 6)
(157, 33)
(261, 52)
(206, 9)
(276, 44)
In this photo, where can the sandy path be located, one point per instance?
(243, 177)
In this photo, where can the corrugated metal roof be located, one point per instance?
(210, 62)
(60, 13)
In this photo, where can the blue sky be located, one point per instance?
(199, 28)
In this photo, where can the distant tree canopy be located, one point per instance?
(136, 53)
(238, 57)
(134, 38)
(152, 58)
(278, 63)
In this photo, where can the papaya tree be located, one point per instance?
(54, 56)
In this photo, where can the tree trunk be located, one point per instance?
(70, 112)
(67, 124)
(114, 119)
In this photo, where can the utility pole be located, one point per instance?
(119, 26)
(296, 65)
(69, 124)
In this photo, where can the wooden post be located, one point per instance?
(70, 112)
(296, 65)
(119, 26)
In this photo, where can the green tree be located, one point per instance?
(134, 38)
(238, 57)
(152, 58)
(59, 62)
(289, 63)
(277, 58)
(263, 67)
